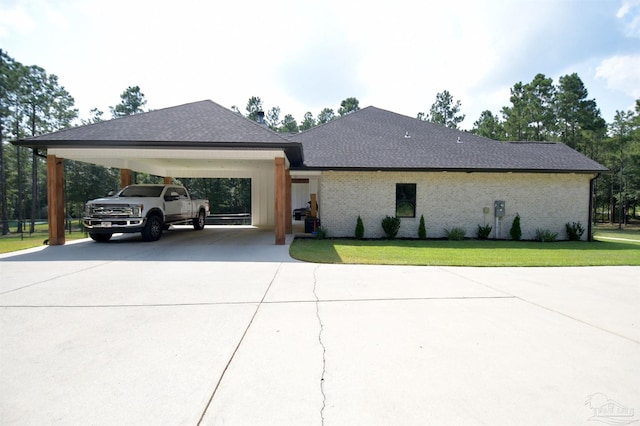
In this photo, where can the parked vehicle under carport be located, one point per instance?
(148, 209)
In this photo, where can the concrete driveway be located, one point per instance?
(222, 327)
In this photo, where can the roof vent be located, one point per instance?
(458, 141)
(407, 135)
(260, 117)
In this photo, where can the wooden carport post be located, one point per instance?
(280, 200)
(287, 209)
(126, 177)
(55, 193)
(168, 180)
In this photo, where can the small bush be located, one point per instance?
(422, 229)
(515, 231)
(574, 231)
(483, 232)
(546, 236)
(455, 234)
(359, 229)
(391, 226)
(321, 233)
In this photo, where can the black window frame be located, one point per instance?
(406, 194)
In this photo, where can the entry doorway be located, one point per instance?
(299, 195)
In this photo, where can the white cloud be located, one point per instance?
(621, 73)
(629, 13)
(304, 56)
(15, 19)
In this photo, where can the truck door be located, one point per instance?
(172, 204)
(185, 204)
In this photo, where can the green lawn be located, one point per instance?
(473, 252)
(613, 247)
(610, 232)
(15, 242)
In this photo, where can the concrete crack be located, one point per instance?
(324, 349)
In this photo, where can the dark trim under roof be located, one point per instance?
(448, 170)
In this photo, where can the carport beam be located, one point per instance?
(55, 193)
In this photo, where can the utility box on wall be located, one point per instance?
(499, 208)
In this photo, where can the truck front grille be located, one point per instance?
(111, 211)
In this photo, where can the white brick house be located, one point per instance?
(454, 178)
(454, 199)
(372, 163)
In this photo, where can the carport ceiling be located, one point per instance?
(190, 163)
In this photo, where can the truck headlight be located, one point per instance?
(136, 210)
(87, 209)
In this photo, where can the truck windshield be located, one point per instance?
(141, 191)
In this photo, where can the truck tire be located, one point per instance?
(101, 238)
(152, 230)
(198, 222)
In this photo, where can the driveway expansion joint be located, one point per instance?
(541, 306)
(235, 351)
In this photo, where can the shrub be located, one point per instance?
(483, 232)
(391, 226)
(422, 229)
(321, 233)
(574, 231)
(546, 236)
(515, 231)
(359, 229)
(455, 234)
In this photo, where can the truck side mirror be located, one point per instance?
(172, 196)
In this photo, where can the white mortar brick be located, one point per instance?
(447, 200)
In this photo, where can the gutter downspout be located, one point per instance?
(591, 200)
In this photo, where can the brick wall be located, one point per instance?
(447, 200)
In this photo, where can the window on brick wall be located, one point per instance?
(405, 200)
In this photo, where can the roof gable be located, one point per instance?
(203, 124)
(204, 121)
(372, 138)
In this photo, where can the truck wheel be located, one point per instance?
(198, 222)
(152, 230)
(101, 238)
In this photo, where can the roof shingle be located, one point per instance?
(373, 138)
(203, 121)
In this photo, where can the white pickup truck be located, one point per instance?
(148, 209)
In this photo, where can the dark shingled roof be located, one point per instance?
(203, 124)
(375, 139)
(369, 139)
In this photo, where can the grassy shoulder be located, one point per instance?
(605, 251)
(15, 242)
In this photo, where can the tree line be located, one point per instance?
(543, 111)
(539, 111)
(33, 102)
(255, 111)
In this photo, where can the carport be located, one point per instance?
(196, 140)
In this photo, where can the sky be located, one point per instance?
(307, 55)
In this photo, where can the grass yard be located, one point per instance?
(15, 242)
(613, 247)
(624, 250)
(607, 232)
